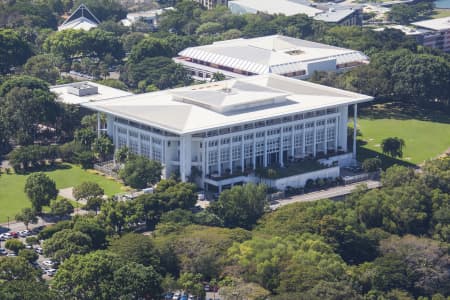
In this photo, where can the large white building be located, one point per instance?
(276, 54)
(285, 7)
(437, 33)
(226, 128)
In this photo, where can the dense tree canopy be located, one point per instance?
(241, 206)
(14, 51)
(103, 275)
(139, 172)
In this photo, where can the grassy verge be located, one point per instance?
(13, 198)
(426, 133)
(441, 13)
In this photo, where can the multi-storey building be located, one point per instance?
(234, 126)
(275, 54)
(437, 34)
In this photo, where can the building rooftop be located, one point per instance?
(285, 7)
(232, 102)
(80, 92)
(81, 18)
(334, 15)
(270, 54)
(407, 30)
(434, 24)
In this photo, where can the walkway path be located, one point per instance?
(324, 194)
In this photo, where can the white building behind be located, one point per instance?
(276, 54)
(81, 19)
(227, 129)
(438, 33)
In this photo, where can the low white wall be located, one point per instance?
(300, 180)
(343, 160)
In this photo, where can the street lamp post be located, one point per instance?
(8, 222)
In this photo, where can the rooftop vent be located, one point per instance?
(82, 89)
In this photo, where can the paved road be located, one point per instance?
(330, 193)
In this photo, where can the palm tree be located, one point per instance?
(393, 146)
(217, 77)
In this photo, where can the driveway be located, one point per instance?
(324, 194)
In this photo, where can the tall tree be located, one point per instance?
(139, 171)
(67, 242)
(87, 190)
(40, 189)
(241, 206)
(13, 50)
(42, 66)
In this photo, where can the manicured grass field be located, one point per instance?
(426, 134)
(441, 13)
(13, 198)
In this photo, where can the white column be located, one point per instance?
(336, 132)
(254, 151)
(128, 138)
(292, 141)
(140, 144)
(242, 153)
(281, 146)
(219, 158)
(314, 139)
(304, 140)
(355, 129)
(326, 136)
(204, 160)
(185, 156)
(265, 149)
(231, 155)
(343, 119)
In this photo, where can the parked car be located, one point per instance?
(3, 251)
(184, 297)
(5, 236)
(49, 263)
(176, 296)
(14, 234)
(39, 250)
(24, 233)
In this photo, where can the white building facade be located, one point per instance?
(227, 129)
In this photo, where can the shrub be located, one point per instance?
(14, 245)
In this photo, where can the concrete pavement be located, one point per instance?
(324, 194)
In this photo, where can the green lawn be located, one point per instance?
(424, 138)
(441, 13)
(13, 198)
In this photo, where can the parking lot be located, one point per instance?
(47, 266)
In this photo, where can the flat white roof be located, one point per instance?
(434, 24)
(103, 92)
(270, 54)
(285, 7)
(226, 103)
(407, 30)
(334, 15)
